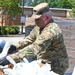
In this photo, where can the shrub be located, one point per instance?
(9, 30)
(3, 30)
(73, 9)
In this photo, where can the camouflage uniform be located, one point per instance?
(47, 44)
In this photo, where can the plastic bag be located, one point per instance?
(29, 69)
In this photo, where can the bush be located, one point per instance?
(73, 9)
(5, 30)
(0, 29)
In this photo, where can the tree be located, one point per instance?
(26, 2)
(35, 2)
(65, 4)
(10, 7)
(51, 3)
(73, 9)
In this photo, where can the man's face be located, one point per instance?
(43, 20)
(39, 23)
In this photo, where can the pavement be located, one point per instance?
(12, 38)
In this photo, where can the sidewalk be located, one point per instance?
(13, 35)
(12, 38)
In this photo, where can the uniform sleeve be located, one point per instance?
(26, 41)
(41, 44)
(43, 41)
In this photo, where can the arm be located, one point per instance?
(41, 44)
(26, 41)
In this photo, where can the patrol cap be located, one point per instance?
(39, 10)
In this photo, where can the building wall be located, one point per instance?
(9, 20)
(57, 12)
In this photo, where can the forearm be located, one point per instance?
(26, 52)
(16, 57)
(25, 42)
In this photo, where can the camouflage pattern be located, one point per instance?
(47, 45)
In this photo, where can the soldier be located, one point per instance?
(45, 41)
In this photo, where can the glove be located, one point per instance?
(4, 61)
(12, 49)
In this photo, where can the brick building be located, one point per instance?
(9, 20)
(58, 12)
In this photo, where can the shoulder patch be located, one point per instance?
(41, 38)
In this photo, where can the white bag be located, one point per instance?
(5, 45)
(29, 69)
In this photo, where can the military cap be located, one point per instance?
(39, 10)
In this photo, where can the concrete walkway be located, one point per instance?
(12, 38)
